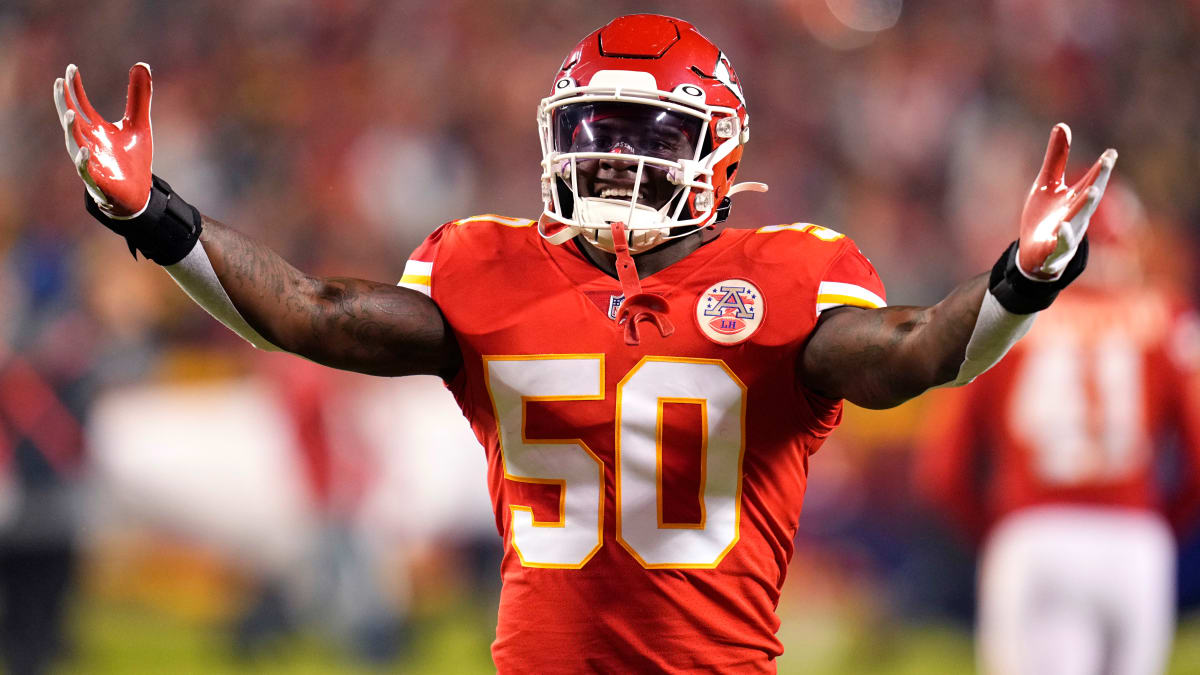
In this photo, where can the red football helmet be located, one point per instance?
(658, 110)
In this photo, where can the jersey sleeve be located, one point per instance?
(418, 271)
(850, 279)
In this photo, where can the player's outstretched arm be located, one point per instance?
(345, 323)
(882, 357)
(879, 358)
(352, 324)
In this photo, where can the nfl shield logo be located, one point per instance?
(730, 311)
(614, 305)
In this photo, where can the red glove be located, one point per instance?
(1056, 217)
(112, 159)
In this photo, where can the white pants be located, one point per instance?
(1069, 590)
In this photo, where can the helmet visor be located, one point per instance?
(626, 128)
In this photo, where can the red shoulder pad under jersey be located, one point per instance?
(421, 267)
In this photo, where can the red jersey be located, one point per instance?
(647, 495)
(1074, 414)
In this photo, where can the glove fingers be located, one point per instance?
(1088, 178)
(60, 102)
(69, 132)
(66, 118)
(1080, 211)
(74, 132)
(1055, 162)
(137, 99)
(75, 92)
(1107, 161)
(1084, 204)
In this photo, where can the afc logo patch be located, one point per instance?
(730, 311)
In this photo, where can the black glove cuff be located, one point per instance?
(1021, 295)
(165, 232)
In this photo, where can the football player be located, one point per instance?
(647, 387)
(1051, 459)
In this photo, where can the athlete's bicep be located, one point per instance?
(864, 356)
(351, 324)
(376, 328)
(879, 358)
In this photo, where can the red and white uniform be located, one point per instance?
(1051, 457)
(648, 495)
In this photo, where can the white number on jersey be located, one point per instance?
(1080, 409)
(572, 540)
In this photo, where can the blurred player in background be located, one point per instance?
(54, 356)
(648, 388)
(1056, 460)
(347, 594)
(41, 450)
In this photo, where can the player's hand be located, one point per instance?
(1056, 216)
(112, 159)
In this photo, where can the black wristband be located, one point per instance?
(165, 232)
(1021, 295)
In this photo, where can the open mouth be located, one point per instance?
(619, 192)
(624, 192)
(607, 181)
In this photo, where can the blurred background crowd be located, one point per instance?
(170, 496)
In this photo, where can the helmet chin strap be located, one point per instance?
(638, 306)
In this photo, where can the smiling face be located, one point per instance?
(627, 133)
(644, 125)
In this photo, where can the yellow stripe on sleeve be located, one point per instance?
(418, 276)
(832, 294)
(847, 300)
(422, 279)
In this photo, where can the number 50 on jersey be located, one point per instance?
(577, 535)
